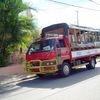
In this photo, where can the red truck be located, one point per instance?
(63, 47)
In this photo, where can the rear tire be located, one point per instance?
(65, 70)
(91, 64)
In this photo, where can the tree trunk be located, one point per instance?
(3, 57)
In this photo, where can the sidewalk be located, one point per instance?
(12, 73)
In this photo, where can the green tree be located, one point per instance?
(15, 30)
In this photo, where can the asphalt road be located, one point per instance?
(82, 84)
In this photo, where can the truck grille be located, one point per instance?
(35, 63)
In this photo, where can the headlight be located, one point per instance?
(48, 63)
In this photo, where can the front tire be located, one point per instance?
(40, 75)
(65, 69)
(91, 64)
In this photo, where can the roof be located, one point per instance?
(66, 27)
(83, 28)
(55, 26)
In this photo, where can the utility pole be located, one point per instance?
(77, 17)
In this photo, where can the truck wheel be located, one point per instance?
(40, 75)
(65, 70)
(91, 64)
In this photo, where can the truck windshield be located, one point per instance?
(40, 46)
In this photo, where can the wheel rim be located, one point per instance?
(66, 70)
(93, 63)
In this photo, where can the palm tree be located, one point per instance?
(15, 30)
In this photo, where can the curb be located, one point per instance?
(16, 78)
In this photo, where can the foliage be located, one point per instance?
(15, 30)
(36, 35)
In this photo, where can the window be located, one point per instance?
(44, 45)
(61, 44)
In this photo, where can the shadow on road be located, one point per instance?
(53, 82)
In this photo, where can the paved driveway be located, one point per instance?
(11, 73)
(12, 69)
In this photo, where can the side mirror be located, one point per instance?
(59, 52)
(55, 50)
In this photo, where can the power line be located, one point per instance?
(58, 2)
(95, 2)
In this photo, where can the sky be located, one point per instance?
(51, 13)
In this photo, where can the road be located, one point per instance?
(82, 84)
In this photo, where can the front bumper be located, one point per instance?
(40, 69)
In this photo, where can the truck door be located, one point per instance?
(62, 50)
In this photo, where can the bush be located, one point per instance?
(3, 61)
